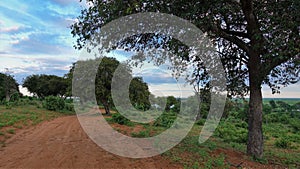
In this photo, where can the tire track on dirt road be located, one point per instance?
(61, 143)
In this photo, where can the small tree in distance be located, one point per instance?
(138, 89)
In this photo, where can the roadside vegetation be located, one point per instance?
(227, 147)
(26, 112)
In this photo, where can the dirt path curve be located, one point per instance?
(61, 143)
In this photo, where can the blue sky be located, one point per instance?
(35, 38)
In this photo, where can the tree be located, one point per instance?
(258, 42)
(46, 85)
(273, 104)
(172, 104)
(104, 77)
(139, 94)
(8, 86)
(138, 89)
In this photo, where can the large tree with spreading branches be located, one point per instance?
(257, 40)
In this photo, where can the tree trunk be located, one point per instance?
(255, 134)
(7, 97)
(106, 107)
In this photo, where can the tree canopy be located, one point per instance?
(138, 89)
(46, 85)
(139, 93)
(257, 41)
(8, 87)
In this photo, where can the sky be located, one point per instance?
(35, 38)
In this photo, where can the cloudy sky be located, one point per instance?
(35, 38)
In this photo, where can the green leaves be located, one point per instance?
(46, 85)
(54, 103)
(8, 86)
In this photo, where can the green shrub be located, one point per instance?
(118, 118)
(232, 132)
(295, 124)
(141, 134)
(272, 118)
(54, 103)
(283, 143)
(8, 105)
(201, 122)
(165, 120)
(294, 138)
(69, 107)
(15, 97)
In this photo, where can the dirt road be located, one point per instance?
(62, 143)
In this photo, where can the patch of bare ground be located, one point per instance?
(61, 143)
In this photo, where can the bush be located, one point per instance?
(232, 132)
(15, 97)
(54, 103)
(69, 107)
(141, 134)
(283, 143)
(118, 118)
(165, 120)
(201, 122)
(295, 124)
(8, 105)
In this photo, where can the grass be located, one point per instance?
(24, 115)
(282, 140)
(141, 134)
(18, 117)
(195, 155)
(191, 154)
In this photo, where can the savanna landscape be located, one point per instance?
(231, 53)
(44, 132)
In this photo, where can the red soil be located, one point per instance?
(62, 143)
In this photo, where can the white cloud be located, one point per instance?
(24, 91)
(171, 89)
(291, 91)
(9, 29)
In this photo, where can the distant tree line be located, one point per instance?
(50, 85)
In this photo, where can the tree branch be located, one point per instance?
(236, 33)
(234, 40)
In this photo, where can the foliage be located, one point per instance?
(141, 134)
(262, 31)
(139, 94)
(200, 122)
(231, 131)
(258, 42)
(282, 143)
(118, 118)
(15, 97)
(295, 124)
(20, 116)
(8, 87)
(46, 85)
(24, 115)
(138, 89)
(54, 103)
(273, 104)
(173, 104)
(166, 119)
(69, 107)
